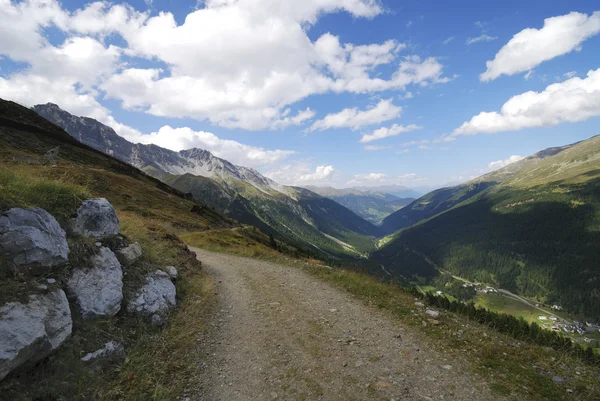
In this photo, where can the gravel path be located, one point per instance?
(281, 334)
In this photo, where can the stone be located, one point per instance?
(419, 304)
(172, 271)
(558, 379)
(112, 351)
(31, 239)
(96, 218)
(51, 280)
(432, 313)
(446, 367)
(155, 298)
(129, 255)
(98, 291)
(31, 331)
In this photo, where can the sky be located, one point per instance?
(420, 93)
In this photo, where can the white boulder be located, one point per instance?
(432, 313)
(32, 238)
(96, 218)
(172, 271)
(98, 291)
(30, 331)
(155, 298)
(129, 255)
(112, 351)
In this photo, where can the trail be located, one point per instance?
(282, 334)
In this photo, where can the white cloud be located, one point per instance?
(481, 38)
(385, 132)
(572, 100)
(406, 96)
(371, 148)
(374, 179)
(403, 151)
(448, 40)
(528, 75)
(569, 74)
(503, 163)
(354, 118)
(425, 147)
(301, 173)
(266, 60)
(414, 143)
(531, 47)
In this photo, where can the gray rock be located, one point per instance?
(32, 238)
(30, 332)
(112, 351)
(172, 271)
(432, 313)
(558, 379)
(96, 218)
(155, 298)
(129, 255)
(99, 290)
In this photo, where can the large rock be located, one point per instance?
(99, 290)
(32, 238)
(112, 352)
(129, 255)
(155, 298)
(96, 218)
(30, 331)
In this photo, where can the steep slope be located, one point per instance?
(238, 192)
(534, 231)
(444, 199)
(371, 205)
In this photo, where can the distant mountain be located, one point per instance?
(369, 204)
(294, 214)
(532, 228)
(398, 191)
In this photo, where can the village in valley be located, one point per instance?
(549, 317)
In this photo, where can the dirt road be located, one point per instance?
(281, 334)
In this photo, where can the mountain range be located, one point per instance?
(372, 204)
(296, 215)
(532, 228)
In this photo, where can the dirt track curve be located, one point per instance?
(281, 334)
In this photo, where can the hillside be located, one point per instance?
(531, 228)
(444, 199)
(293, 215)
(369, 204)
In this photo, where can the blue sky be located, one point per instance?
(265, 85)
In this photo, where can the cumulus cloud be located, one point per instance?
(371, 148)
(531, 47)
(354, 118)
(481, 38)
(386, 132)
(266, 60)
(302, 173)
(573, 100)
(240, 154)
(503, 163)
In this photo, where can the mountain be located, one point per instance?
(532, 228)
(295, 215)
(444, 199)
(398, 191)
(369, 204)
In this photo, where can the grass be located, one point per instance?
(503, 304)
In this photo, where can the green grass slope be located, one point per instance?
(535, 233)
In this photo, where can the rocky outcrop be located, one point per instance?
(155, 298)
(129, 255)
(98, 291)
(112, 351)
(32, 239)
(31, 331)
(172, 271)
(96, 218)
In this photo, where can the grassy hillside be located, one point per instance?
(535, 232)
(299, 216)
